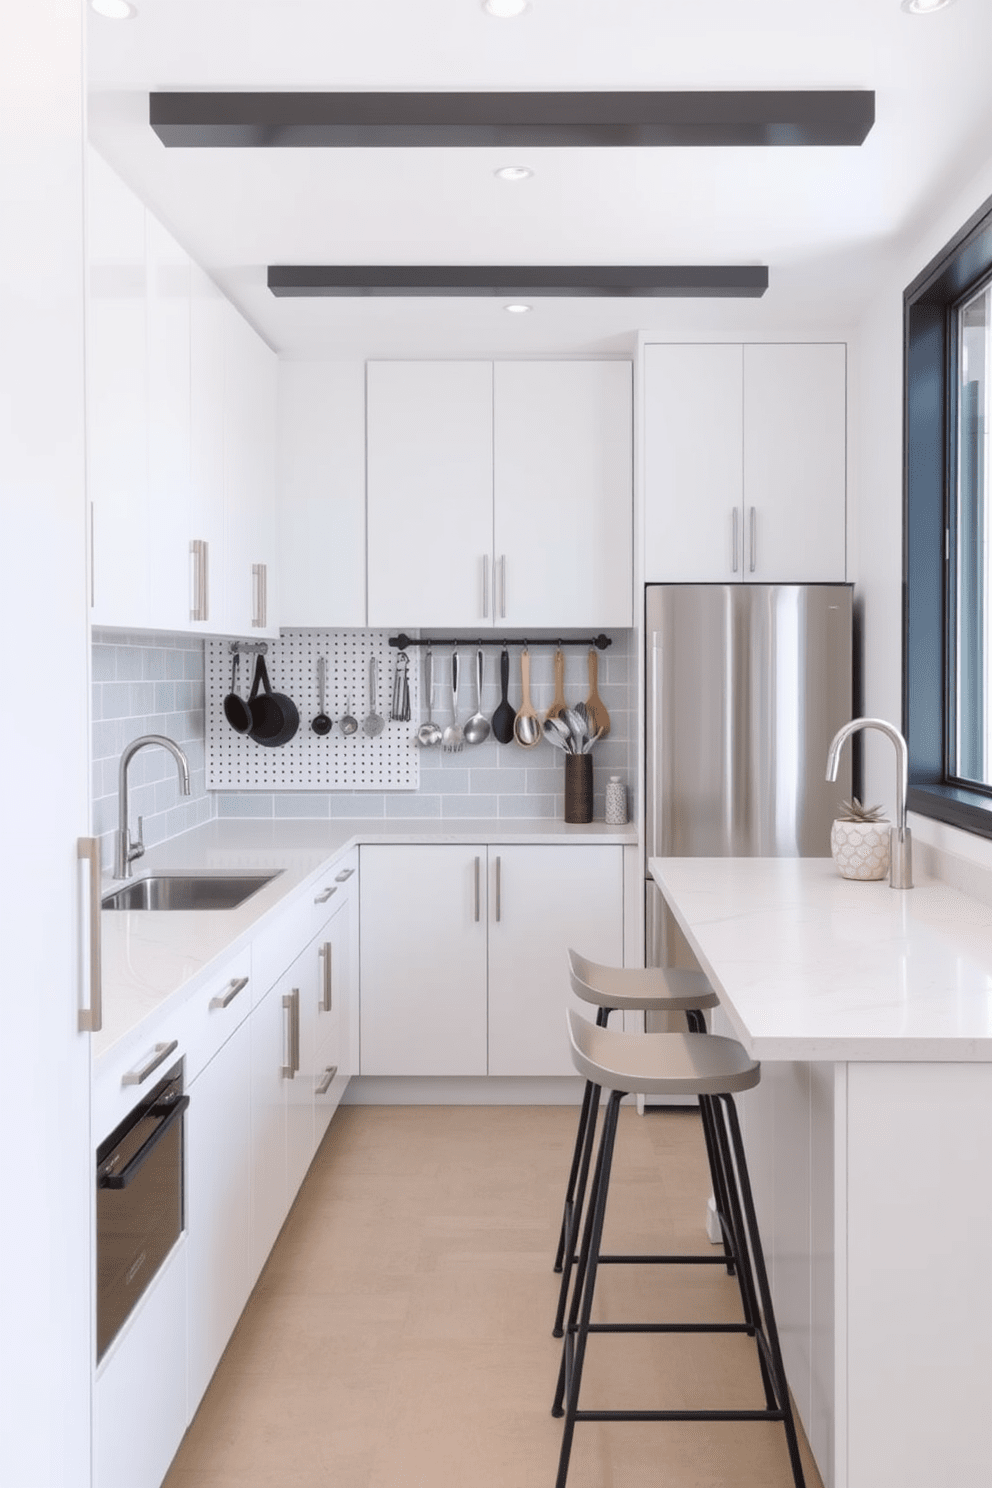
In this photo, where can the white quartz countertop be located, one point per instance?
(811, 966)
(151, 959)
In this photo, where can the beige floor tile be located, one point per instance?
(400, 1335)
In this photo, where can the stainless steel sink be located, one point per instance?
(188, 891)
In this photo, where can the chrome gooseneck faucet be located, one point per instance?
(900, 838)
(127, 850)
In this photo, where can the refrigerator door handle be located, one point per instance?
(735, 539)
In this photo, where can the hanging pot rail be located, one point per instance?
(403, 641)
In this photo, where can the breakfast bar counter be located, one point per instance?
(871, 1012)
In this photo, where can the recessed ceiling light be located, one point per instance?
(517, 309)
(505, 9)
(924, 7)
(113, 10)
(513, 173)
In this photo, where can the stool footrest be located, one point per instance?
(686, 1415)
(671, 1328)
(663, 1260)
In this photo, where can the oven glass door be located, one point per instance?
(139, 1203)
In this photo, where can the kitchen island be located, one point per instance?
(871, 1011)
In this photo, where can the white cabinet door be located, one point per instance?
(563, 494)
(693, 466)
(116, 403)
(430, 483)
(543, 900)
(270, 1198)
(795, 463)
(423, 959)
(321, 493)
(250, 394)
(206, 525)
(167, 269)
(331, 1065)
(218, 1206)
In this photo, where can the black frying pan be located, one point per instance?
(236, 710)
(274, 716)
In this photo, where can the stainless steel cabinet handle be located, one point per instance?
(478, 899)
(326, 953)
(753, 537)
(502, 586)
(344, 876)
(499, 889)
(158, 1056)
(260, 595)
(224, 999)
(735, 540)
(91, 1016)
(327, 1080)
(291, 1003)
(200, 553)
(485, 586)
(323, 898)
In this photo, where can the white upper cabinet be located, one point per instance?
(562, 487)
(181, 439)
(430, 493)
(745, 463)
(499, 495)
(321, 493)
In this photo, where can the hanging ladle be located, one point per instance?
(321, 724)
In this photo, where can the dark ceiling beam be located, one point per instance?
(555, 281)
(510, 120)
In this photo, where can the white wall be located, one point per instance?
(876, 404)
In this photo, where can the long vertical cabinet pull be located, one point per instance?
(753, 537)
(91, 1016)
(499, 889)
(485, 586)
(200, 553)
(327, 981)
(502, 586)
(478, 896)
(260, 597)
(735, 540)
(291, 1003)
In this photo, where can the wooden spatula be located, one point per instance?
(595, 707)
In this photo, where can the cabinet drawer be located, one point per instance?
(216, 1010)
(273, 949)
(122, 1077)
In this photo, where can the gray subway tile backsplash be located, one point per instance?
(154, 683)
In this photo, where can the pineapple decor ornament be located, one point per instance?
(859, 841)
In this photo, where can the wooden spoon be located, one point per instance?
(527, 725)
(596, 712)
(558, 704)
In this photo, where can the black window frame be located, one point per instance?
(930, 305)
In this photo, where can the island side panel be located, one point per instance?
(919, 1213)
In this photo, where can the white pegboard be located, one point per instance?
(334, 761)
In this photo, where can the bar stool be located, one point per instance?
(626, 989)
(712, 1068)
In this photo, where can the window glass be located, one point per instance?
(973, 599)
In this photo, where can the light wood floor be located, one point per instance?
(400, 1335)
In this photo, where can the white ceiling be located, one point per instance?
(825, 221)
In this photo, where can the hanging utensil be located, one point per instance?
(399, 711)
(274, 716)
(453, 737)
(428, 733)
(527, 725)
(349, 723)
(477, 727)
(321, 724)
(599, 719)
(236, 710)
(374, 724)
(504, 717)
(558, 704)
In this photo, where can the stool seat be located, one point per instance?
(639, 989)
(660, 1063)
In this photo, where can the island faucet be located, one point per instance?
(127, 850)
(900, 838)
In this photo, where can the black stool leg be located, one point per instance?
(566, 1219)
(587, 1265)
(578, 1178)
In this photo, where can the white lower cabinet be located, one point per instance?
(218, 1205)
(139, 1395)
(463, 954)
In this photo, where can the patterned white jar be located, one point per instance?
(861, 849)
(616, 802)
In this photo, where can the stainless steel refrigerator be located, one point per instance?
(746, 686)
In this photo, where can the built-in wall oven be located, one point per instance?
(140, 1201)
